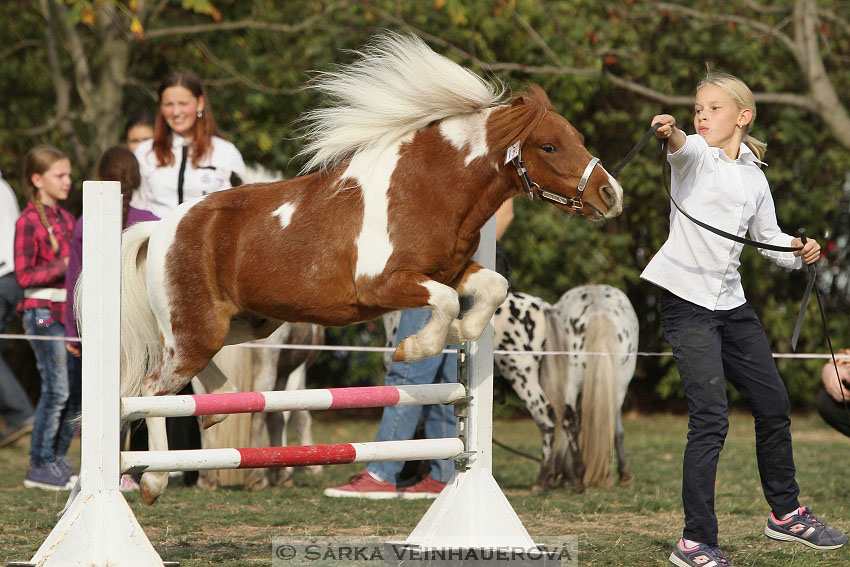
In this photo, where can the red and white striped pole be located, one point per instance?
(265, 457)
(294, 400)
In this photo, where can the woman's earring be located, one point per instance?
(200, 113)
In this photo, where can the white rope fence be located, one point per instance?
(344, 348)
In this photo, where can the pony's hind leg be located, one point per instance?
(489, 290)
(626, 476)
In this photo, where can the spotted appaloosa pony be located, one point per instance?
(587, 319)
(600, 322)
(408, 160)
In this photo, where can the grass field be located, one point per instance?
(634, 525)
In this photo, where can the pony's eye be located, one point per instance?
(548, 148)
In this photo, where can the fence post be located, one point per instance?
(98, 528)
(472, 512)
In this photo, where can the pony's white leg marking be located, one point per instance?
(468, 131)
(430, 340)
(489, 290)
(284, 214)
(373, 169)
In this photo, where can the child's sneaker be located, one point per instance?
(48, 477)
(425, 488)
(364, 485)
(806, 529)
(65, 466)
(700, 555)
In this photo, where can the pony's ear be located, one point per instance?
(518, 101)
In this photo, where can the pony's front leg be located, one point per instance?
(445, 306)
(489, 289)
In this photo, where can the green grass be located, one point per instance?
(616, 526)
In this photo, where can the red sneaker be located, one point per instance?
(364, 485)
(425, 488)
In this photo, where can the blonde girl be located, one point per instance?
(714, 333)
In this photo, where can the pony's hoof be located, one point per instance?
(627, 478)
(400, 354)
(148, 495)
(256, 482)
(206, 482)
(210, 420)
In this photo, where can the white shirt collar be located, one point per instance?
(745, 154)
(177, 141)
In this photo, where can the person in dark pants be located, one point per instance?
(713, 331)
(833, 399)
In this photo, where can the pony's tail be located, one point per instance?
(553, 380)
(141, 350)
(598, 401)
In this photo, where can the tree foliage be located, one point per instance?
(73, 70)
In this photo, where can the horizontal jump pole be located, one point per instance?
(292, 400)
(133, 462)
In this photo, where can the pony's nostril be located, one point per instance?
(609, 195)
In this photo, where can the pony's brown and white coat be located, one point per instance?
(407, 164)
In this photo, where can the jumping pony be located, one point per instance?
(409, 159)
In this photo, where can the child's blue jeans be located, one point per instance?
(54, 426)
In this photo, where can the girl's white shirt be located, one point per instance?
(158, 190)
(732, 195)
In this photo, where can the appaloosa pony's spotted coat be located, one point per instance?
(408, 161)
(587, 319)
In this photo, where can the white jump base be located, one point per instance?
(98, 529)
(295, 400)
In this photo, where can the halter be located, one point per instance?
(575, 203)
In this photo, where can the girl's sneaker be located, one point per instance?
(700, 555)
(48, 477)
(65, 466)
(804, 528)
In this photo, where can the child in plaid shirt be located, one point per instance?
(42, 246)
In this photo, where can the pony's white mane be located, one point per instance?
(397, 86)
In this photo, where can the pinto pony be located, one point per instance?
(407, 162)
